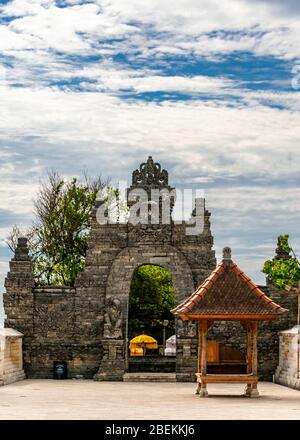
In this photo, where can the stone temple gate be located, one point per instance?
(86, 326)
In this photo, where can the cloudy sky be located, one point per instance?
(211, 89)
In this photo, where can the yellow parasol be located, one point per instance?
(141, 342)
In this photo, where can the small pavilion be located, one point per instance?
(228, 295)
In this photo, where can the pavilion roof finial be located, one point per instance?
(227, 253)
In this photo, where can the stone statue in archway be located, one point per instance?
(113, 319)
(186, 329)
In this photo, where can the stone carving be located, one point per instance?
(226, 253)
(153, 180)
(84, 326)
(186, 329)
(150, 174)
(56, 319)
(281, 254)
(113, 319)
(21, 252)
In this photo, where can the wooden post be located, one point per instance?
(249, 355)
(249, 348)
(252, 390)
(203, 391)
(199, 355)
(254, 349)
(199, 345)
(203, 347)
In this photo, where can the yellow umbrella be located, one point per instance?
(141, 342)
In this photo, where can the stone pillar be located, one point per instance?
(186, 350)
(11, 359)
(19, 284)
(2, 348)
(19, 298)
(112, 365)
(288, 370)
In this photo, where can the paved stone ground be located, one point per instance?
(85, 399)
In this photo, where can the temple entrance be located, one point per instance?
(115, 342)
(151, 326)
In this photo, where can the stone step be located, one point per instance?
(9, 367)
(149, 377)
(13, 377)
(10, 370)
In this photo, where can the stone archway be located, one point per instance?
(115, 337)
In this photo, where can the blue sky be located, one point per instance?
(209, 88)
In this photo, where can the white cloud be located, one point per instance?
(235, 137)
(17, 197)
(46, 26)
(224, 141)
(183, 26)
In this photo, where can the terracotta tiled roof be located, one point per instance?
(228, 292)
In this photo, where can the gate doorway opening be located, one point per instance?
(150, 301)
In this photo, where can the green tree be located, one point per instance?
(283, 270)
(63, 210)
(58, 238)
(151, 299)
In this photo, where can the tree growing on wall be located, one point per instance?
(58, 238)
(284, 270)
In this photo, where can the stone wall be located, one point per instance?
(75, 325)
(87, 326)
(288, 370)
(68, 324)
(11, 359)
(233, 334)
(268, 332)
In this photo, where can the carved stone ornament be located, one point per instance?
(227, 253)
(113, 319)
(186, 329)
(281, 254)
(150, 174)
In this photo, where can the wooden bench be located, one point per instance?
(249, 379)
(226, 378)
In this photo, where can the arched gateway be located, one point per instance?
(87, 326)
(188, 258)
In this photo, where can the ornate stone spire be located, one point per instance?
(226, 253)
(281, 254)
(154, 181)
(150, 174)
(21, 252)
